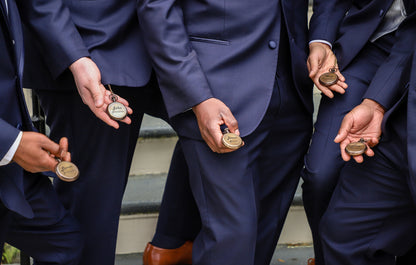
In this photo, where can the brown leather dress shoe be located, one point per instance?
(311, 261)
(161, 256)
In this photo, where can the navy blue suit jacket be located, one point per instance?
(65, 30)
(218, 48)
(13, 113)
(391, 87)
(347, 24)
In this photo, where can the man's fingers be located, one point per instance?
(337, 88)
(102, 113)
(129, 110)
(123, 101)
(210, 136)
(341, 77)
(230, 122)
(67, 157)
(105, 118)
(63, 146)
(49, 163)
(108, 101)
(213, 138)
(346, 157)
(359, 159)
(50, 146)
(373, 141)
(369, 152)
(126, 120)
(326, 91)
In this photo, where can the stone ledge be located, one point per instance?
(156, 132)
(155, 128)
(130, 208)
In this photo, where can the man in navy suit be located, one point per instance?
(361, 35)
(372, 213)
(178, 222)
(83, 45)
(31, 216)
(240, 65)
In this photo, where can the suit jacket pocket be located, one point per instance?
(209, 40)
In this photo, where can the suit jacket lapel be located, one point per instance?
(3, 9)
(4, 15)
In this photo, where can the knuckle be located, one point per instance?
(234, 123)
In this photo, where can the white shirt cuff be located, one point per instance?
(10, 154)
(322, 41)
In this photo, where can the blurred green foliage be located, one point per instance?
(9, 254)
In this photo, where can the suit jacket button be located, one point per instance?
(19, 126)
(272, 45)
(381, 12)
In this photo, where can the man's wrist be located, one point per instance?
(373, 104)
(327, 43)
(10, 154)
(77, 64)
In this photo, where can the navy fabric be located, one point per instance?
(108, 32)
(246, 194)
(197, 56)
(103, 155)
(27, 198)
(371, 215)
(323, 161)
(256, 65)
(53, 235)
(348, 25)
(179, 219)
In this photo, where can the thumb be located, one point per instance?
(313, 65)
(63, 149)
(313, 69)
(53, 149)
(50, 146)
(97, 93)
(231, 122)
(343, 130)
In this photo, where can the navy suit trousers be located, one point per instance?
(323, 161)
(53, 236)
(371, 217)
(244, 196)
(103, 155)
(179, 219)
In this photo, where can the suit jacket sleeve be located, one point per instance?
(8, 135)
(391, 78)
(50, 20)
(326, 19)
(390, 81)
(181, 78)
